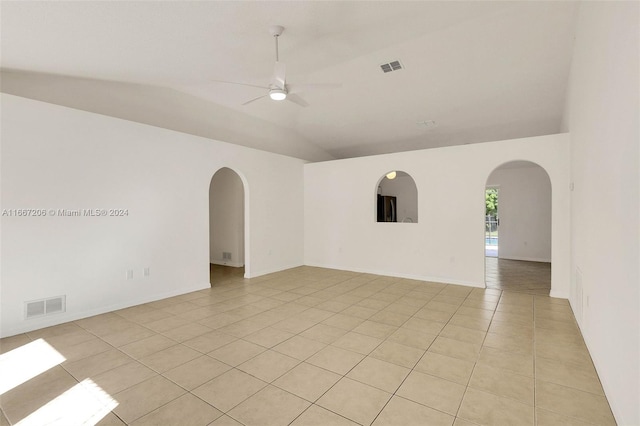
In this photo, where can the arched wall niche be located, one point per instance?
(396, 198)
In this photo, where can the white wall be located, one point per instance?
(603, 117)
(524, 209)
(406, 193)
(162, 107)
(447, 244)
(226, 218)
(55, 157)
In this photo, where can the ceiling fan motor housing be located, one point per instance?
(276, 30)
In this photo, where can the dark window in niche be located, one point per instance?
(397, 198)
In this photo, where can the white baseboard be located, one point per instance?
(526, 259)
(597, 363)
(559, 294)
(255, 274)
(443, 280)
(225, 263)
(56, 319)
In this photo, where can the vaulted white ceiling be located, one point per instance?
(481, 70)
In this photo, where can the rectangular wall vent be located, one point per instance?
(391, 66)
(226, 255)
(52, 306)
(35, 309)
(38, 308)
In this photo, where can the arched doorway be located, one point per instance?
(518, 228)
(226, 226)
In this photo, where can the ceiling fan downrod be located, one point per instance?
(276, 31)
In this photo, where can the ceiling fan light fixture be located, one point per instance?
(277, 94)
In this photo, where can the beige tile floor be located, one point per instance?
(517, 275)
(312, 346)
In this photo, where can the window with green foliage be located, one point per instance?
(491, 201)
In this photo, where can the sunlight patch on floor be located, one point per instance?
(84, 404)
(26, 362)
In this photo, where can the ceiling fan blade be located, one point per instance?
(279, 78)
(297, 100)
(255, 99)
(240, 84)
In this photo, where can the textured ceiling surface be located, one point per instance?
(481, 71)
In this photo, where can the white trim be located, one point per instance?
(225, 263)
(33, 324)
(559, 295)
(442, 280)
(597, 363)
(253, 274)
(526, 259)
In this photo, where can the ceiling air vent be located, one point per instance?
(391, 66)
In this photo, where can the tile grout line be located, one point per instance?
(535, 371)
(406, 290)
(475, 363)
(425, 352)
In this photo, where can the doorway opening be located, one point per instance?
(226, 226)
(517, 238)
(491, 222)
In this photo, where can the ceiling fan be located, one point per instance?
(279, 89)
